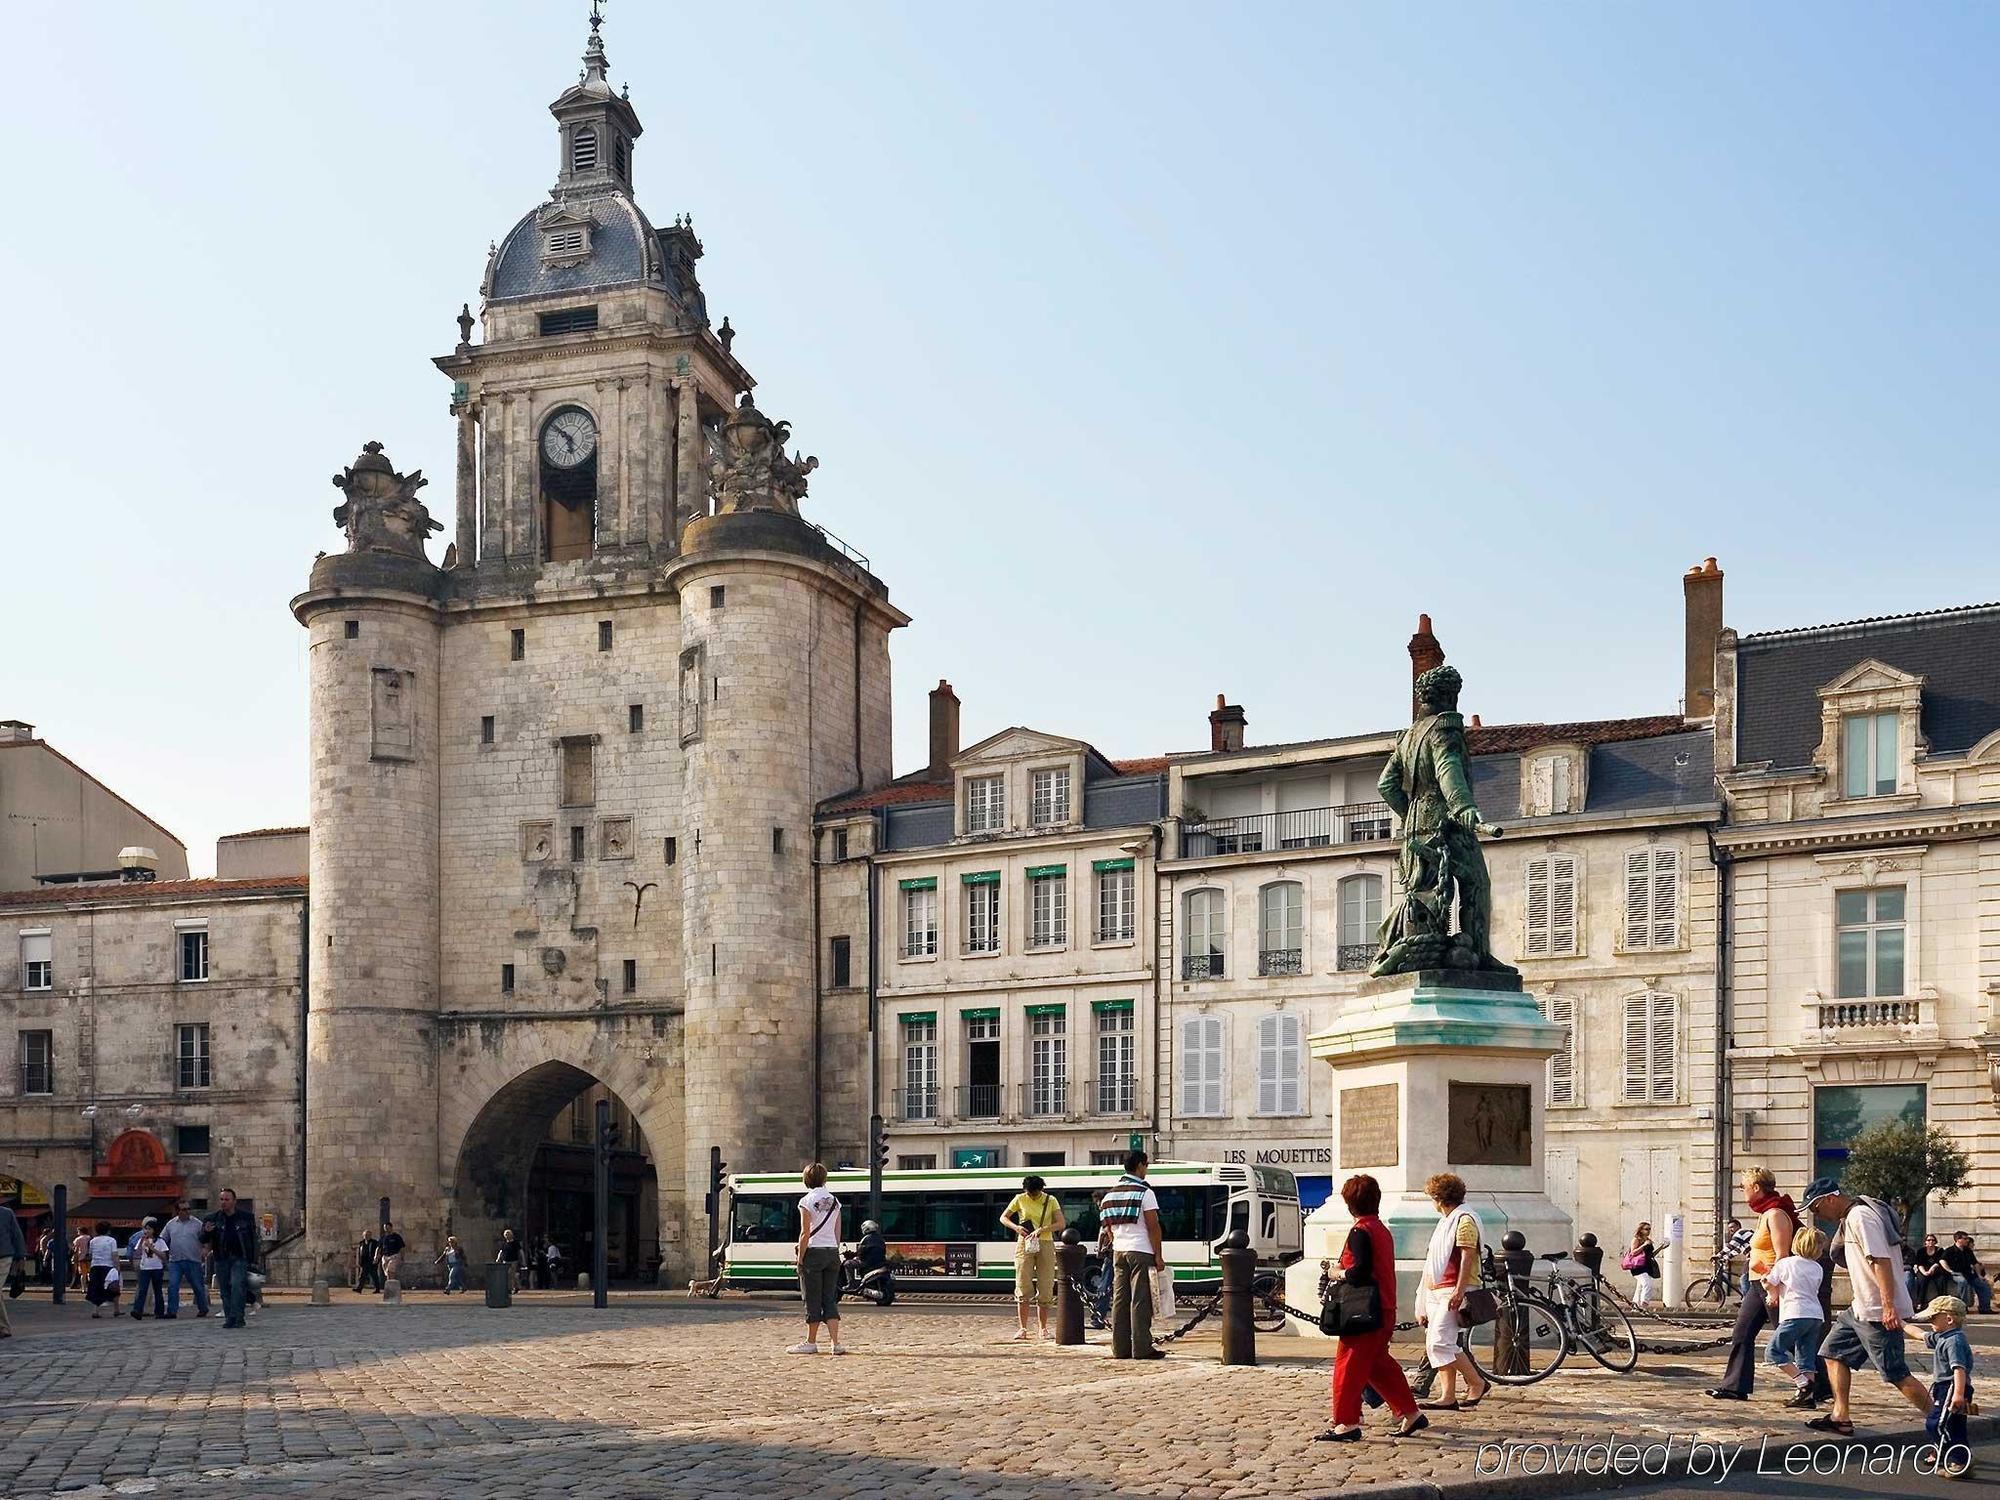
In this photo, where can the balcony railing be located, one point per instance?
(1202, 966)
(1049, 1096)
(1355, 956)
(979, 1101)
(1308, 828)
(1116, 1095)
(1280, 961)
(1842, 1015)
(913, 1104)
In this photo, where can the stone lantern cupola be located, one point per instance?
(597, 126)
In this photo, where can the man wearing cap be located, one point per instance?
(1870, 1329)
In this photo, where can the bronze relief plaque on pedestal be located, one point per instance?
(1369, 1122)
(1488, 1125)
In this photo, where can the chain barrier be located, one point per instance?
(1089, 1302)
(1619, 1299)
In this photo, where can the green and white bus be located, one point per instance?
(944, 1233)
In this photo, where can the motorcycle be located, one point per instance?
(877, 1286)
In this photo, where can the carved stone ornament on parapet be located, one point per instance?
(753, 471)
(382, 512)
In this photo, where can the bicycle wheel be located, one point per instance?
(1601, 1329)
(1706, 1290)
(1529, 1341)
(1266, 1315)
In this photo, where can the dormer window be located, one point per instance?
(985, 804)
(1868, 754)
(1551, 786)
(583, 151)
(1048, 800)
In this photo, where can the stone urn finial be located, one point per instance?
(381, 511)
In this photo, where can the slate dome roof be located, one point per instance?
(624, 249)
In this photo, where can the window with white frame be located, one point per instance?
(1561, 1009)
(1117, 901)
(1281, 928)
(1359, 921)
(1048, 796)
(1652, 897)
(1551, 926)
(985, 804)
(38, 1062)
(1048, 907)
(1280, 1056)
(920, 926)
(1652, 1048)
(1869, 942)
(920, 1067)
(1048, 1059)
(38, 967)
(1201, 1066)
(1868, 754)
(1202, 949)
(982, 912)
(1117, 1058)
(191, 1055)
(193, 942)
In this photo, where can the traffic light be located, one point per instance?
(717, 1170)
(878, 1143)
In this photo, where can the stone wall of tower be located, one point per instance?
(371, 1121)
(773, 642)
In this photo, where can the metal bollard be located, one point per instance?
(499, 1284)
(1069, 1305)
(1239, 1271)
(322, 1295)
(1510, 1352)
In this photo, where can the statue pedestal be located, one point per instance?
(1437, 1071)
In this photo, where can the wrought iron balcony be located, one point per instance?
(1049, 1096)
(1281, 961)
(913, 1104)
(1202, 966)
(1307, 828)
(979, 1101)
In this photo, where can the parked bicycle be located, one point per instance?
(1718, 1289)
(1538, 1326)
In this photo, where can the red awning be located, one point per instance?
(123, 1212)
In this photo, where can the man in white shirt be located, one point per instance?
(1870, 1330)
(1132, 1209)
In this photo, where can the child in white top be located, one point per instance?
(1795, 1282)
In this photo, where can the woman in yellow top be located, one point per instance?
(1777, 1221)
(1035, 1219)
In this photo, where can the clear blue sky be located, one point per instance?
(1150, 350)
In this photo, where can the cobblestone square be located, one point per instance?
(659, 1397)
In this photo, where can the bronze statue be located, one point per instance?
(1428, 784)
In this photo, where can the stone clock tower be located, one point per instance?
(563, 784)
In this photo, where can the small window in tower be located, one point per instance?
(603, 635)
(635, 718)
(568, 320)
(715, 592)
(631, 975)
(518, 644)
(578, 789)
(354, 630)
(486, 729)
(583, 151)
(777, 841)
(506, 979)
(576, 844)
(839, 845)
(621, 154)
(673, 849)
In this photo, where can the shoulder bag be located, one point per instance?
(1350, 1310)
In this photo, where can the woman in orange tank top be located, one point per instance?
(1771, 1243)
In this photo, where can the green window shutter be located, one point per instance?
(924, 883)
(1101, 865)
(1038, 872)
(991, 1013)
(1048, 1010)
(1111, 1005)
(982, 877)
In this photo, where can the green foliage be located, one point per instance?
(1903, 1162)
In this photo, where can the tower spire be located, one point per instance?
(595, 63)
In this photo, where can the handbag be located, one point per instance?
(1634, 1260)
(1477, 1306)
(1349, 1310)
(1163, 1292)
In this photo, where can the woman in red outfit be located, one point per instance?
(1369, 1259)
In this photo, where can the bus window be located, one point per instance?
(902, 1217)
(1079, 1213)
(764, 1220)
(962, 1216)
(1186, 1213)
(1239, 1217)
(1270, 1222)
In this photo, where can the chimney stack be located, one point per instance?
(1702, 587)
(944, 730)
(16, 732)
(1226, 725)
(1425, 653)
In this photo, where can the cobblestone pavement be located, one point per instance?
(653, 1398)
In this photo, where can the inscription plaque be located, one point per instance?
(1369, 1122)
(1488, 1125)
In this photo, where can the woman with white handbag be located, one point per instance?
(1034, 1218)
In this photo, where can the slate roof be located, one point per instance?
(624, 249)
(1779, 675)
(110, 891)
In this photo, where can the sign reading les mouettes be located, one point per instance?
(1297, 1155)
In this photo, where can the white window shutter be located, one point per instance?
(1267, 1064)
(1288, 1064)
(1638, 898)
(1637, 1012)
(1558, 783)
(1191, 1066)
(1561, 1009)
(1664, 1040)
(1562, 904)
(1666, 897)
(1542, 787)
(1537, 936)
(1212, 1088)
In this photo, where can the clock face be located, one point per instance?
(569, 439)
